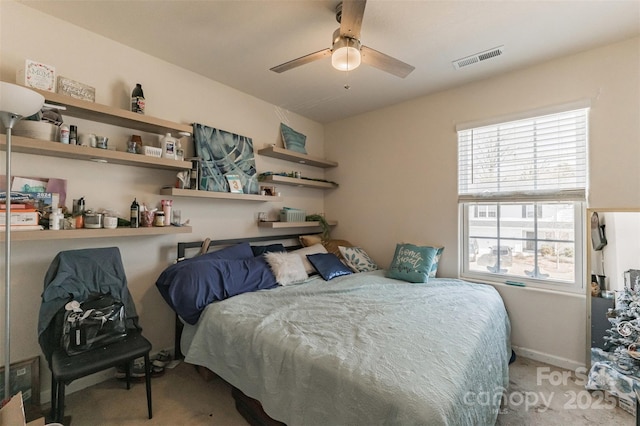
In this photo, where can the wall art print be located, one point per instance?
(224, 153)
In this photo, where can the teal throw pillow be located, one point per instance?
(293, 140)
(412, 263)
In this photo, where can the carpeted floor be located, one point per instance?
(538, 395)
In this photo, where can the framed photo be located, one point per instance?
(268, 190)
(25, 377)
(235, 184)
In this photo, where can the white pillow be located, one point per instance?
(286, 267)
(357, 259)
(303, 252)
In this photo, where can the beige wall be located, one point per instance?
(398, 165)
(172, 93)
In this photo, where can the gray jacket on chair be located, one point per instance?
(74, 275)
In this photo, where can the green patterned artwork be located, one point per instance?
(223, 153)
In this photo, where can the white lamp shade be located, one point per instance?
(19, 100)
(345, 58)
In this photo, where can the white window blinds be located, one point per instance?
(540, 158)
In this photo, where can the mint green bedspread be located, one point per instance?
(362, 350)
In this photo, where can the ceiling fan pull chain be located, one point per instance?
(348, 73)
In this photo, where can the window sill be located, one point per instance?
(573, 291)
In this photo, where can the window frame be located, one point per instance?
(576, 197)
(577, 286)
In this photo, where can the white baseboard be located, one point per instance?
(557, 361)
(85, 382)
(82, 383)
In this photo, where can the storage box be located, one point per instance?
(38, 75)
(36, 130)
(292, 215)
(152, 151)
(13, 413)
(20, 217)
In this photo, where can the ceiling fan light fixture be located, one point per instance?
(346, 54)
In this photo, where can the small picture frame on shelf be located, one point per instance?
(235, 184)
(268, 190)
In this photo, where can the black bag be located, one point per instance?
(98, 321)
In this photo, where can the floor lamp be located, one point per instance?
(15, 102)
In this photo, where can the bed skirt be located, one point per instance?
(252, 411)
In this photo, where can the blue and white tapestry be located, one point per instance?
(221, 153)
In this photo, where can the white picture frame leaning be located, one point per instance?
(235, 184)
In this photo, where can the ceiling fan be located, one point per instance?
(347, 52)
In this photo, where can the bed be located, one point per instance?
(359, 349)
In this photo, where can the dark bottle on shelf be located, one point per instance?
(73, 135)
(137, 99)
(135, 214)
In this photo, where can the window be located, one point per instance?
(485, 211)
(521, 189)
(528, 210)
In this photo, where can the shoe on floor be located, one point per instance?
(162, 359)
(136, 370)
(157, 371)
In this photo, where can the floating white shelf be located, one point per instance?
(296, 157)
(95, 233)
(75, 152)
(279, 225)
(114, 116)
(284, 180)
(175, 192)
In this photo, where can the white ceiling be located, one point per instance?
(236, 42)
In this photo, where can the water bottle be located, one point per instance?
(169, 147)
(64, 134)
(135, 214)
(137, 99)
(55, 219)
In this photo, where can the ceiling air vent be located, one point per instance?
(478, 57)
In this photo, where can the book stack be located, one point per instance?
(23, 217)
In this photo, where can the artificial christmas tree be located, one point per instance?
(616, 369)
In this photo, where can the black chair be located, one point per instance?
(74, 275)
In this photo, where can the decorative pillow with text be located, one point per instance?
(412, 263)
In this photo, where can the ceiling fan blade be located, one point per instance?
(351, 20)
(385, 62)
(301, 60)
